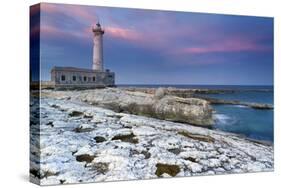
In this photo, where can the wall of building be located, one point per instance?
(66, 78)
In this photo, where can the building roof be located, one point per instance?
(75, 69)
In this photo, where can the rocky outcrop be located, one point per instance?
(236, 102)
(162, 106)
(185, 92)
(188, 110)
(202, 94)
(139, 147)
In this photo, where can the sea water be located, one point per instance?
(252, 123)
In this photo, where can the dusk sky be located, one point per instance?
(160, 47)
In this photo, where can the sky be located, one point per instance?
(158, 47)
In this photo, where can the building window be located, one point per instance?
(62, 77)
(94, 78)
(74, 78)
(85, 78)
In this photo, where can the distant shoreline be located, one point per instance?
(210, 87)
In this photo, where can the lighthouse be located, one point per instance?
(98, 48)
(94, 77)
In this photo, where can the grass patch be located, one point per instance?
(127, 138)
(197, 136)
(172, 170)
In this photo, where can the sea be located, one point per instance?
(252, 123)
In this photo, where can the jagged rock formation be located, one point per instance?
(188, 110)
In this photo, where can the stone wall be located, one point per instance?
(82, 78)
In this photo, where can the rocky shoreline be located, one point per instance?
(82, 140)
(185, 91)
(260, 106)
(158, 105)
(202, 94)
(178, 105)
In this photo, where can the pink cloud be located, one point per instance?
(50, 8)
(85, 33)
(53, 32)
(89, 17)
(116, 32)
(123, 33)
(227, 45)
(82, 12)
(155, 37)
(50, 31)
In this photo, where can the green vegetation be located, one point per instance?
(127, 138)
(199, 137)
(172, 170)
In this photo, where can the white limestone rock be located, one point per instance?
(158, 141)
(195, 167)
(188, 110)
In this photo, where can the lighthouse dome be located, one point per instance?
(97, 28)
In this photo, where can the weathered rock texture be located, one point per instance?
(84, 143)
(186, 91)
(162, 106)
(202, 94)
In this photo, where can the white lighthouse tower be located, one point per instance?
(98, 48)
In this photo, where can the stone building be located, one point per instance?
(73, 77)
